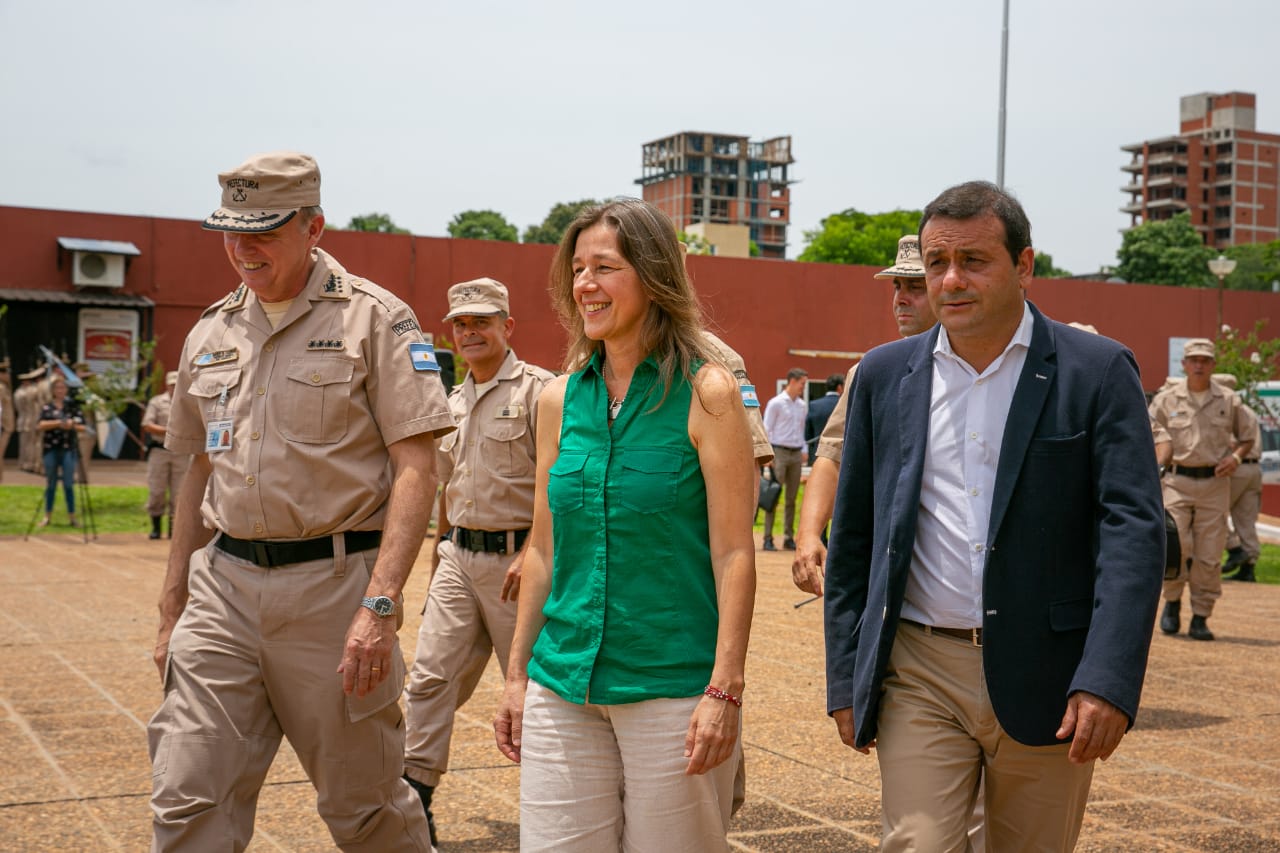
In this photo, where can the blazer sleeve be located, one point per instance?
(1130, 542)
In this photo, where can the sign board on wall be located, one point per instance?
(108, 341)
(1175, 357)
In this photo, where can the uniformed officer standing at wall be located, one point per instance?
(31, 396)
(486, 508)
(311, 402)
(1195, 424)
(165, 469)
(8, 420)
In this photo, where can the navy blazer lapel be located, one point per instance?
(1038, 374)
(914, 393)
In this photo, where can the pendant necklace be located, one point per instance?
(615, 403)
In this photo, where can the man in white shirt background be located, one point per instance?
(784, 422)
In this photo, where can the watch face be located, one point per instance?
(381, 605)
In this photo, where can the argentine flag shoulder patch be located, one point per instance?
(423, 356)
(749, 398)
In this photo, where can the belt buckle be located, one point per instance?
(475, 543)
(975, 637)
(261, 555)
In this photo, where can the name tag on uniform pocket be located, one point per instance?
(511, 412)
(218, 438)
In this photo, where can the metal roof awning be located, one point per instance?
(75, 297)
(106, 247)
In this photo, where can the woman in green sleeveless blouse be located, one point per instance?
(626, 670)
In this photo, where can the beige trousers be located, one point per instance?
(165, 470)
(938, 735)
(596, 778)
(1246, 503)
(463, 623)
(254, 656)
(1200, 508)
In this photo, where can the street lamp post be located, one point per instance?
(1221, 266)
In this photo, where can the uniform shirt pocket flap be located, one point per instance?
(320, 371)
(210, 383)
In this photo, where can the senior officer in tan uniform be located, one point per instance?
(486, 508)
(1243, 548)
(1194, 424)
(165, 469)
(311, 401)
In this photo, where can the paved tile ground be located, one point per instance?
(1200, 772)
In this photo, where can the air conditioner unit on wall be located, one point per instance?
(97, 269)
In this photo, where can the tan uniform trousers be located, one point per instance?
(1246, 503)
(253, 656)
(938, 735)
(1200, 508)
(787, 466)
(464, 621)
(165, 470)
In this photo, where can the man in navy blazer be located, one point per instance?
(820, 412)
(996, 549)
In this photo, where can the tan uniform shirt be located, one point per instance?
(490, 461)
(157, 413)
(7, 417)
(831, 444)
(1201, 435)
(310, 406)
(760, 445)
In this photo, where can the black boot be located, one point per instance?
(1199, 629)
(1235, 558)
(1245, 573)
(1170, 620)
(768, 544)
(425, 792)
(155, 527)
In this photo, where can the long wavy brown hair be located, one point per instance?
(671, 331)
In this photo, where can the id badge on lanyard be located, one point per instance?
(218, 437)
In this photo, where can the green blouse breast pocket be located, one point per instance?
(565, 482)
(647, 479)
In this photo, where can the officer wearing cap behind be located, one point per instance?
(311, 402)
(165, 469)
(486, 508)
(1194, 424)
(913, 314)
(1243, 548)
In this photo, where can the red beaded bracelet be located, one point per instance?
(717, 693)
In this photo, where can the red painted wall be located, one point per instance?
(762, 307)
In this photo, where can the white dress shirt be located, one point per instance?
(967, 415)
(784, 420)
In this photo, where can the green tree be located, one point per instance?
(483, 225)
(377, 222)
(853, 237)
(1250, 359)
(557, 221)
(1166, 252)
(1046, 269)
(696, 244)
(1257, 266)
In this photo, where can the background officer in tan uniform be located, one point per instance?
(31, 396)
(486, 508)
(311, 401)
(1195, 423)
(8, 420)
(165, 469)
(1243, 548)
(913, 314)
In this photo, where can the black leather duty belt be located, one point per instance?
(969, 635)
(273, 554)
(489, 541)
(1203, 472)
(1250, 461)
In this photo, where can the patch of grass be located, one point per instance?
(116, 509)
(1268, 566)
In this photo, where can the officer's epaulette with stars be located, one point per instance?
(336, 286)
(231, 302)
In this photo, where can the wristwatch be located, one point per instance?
(379, 604)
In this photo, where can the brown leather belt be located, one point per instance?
(1202, 472)
(969, 635)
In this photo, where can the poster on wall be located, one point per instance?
(108, 342)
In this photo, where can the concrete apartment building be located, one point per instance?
(1219, 167)
(714, 185)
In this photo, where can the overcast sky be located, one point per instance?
(425, 109)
